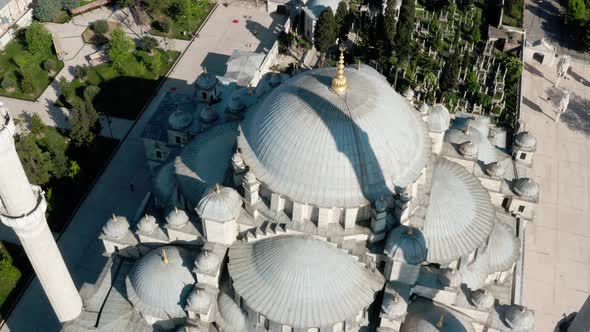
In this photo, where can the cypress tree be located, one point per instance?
(403, 38)
(325, 31)
(390, 22)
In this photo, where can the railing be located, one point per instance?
(88, 7)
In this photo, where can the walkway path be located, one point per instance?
(79, 244)
(557, 255)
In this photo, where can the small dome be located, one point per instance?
(179, 120)
(468, 149)
(474, 274)
(206, 81)
(519, 318)
(235, 104)
(147, 224)
(424, 108)
(450, 278)
(208, 115)
(177, 218)
(409, 94)
(380, 205)
(160, 281)
(394, 305)
(199, 300)
(482, 299)
(406, 244)
(116, 227)
(526, 187)
(425, 316)
(275, 80)
(220, 204)
(525, 140)
(439, 119)
(494, 169)
(207, 261)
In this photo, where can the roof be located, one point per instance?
(503, 248)
(439, 118)
(206, 80)
(204, 161)
(459, 134)
(157, 126)
(525, 140)
(164, 185)
(314, 146)
(301, 281)
(406, 244)
(242, 66)
(158, 285)
(220, 204)
(318, 6)
(425, 316)
(526, 187)
(460, 215)
(232, 317)
(116, 227)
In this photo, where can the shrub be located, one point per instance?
(80, 72)
(121, 47)
(27, 84)
(38, 38)
(100, 26)
(99, 39)
(148, 43)
(69, 4)
(164, 25)
(49, 65)
(8, 83)
(46, 10)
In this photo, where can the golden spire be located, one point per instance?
(164, 257)
(440, 323)
(217, 188)
(114, 217)
(468, 127)
(339, 81)
(395, 298)
(410, 230)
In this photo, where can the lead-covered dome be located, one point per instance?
(315, 146)
(179, 119)
(526, 187)
(406, 244)
(116, 227)
(220, 204)
(306, 282)
(161, 281)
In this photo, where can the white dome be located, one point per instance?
(199, 300)
(147, 224)
(177, 218)
(207, 261)
(406, 244)
(116, 227)
(220, 204)
(468, 149)
(439, 119)
(482, 299)
(409, 94)
(394, 305)
(160, 281)
(208, 115)
(206, 81)
(525, 140)
(519, 318)
(315, 146)
(424, 108)
(526, 187)
(503, 249)
(179, 120)
(425, 316)
(494, 169)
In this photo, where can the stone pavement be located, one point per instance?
(79, 243)
(556, 277)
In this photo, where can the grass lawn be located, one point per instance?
(9, 275)
(124, 95)
(185, 28)
(41, 77)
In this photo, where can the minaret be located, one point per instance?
(22, 207)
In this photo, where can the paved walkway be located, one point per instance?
(557, 255)
(254, 30)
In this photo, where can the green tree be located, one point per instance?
(69, 4)
(27, 83)
(341, 18)
(325, 31)
(124, 3)
(83, 122)
(37, 163)
(390, 23)
(405, 27)
(81, 72)
(449, 76)
(46, 10)
(67, 89)
(36, 124)
(156, 64)
(9, 274)
(38, 38)
(91, 92)
(22, 61)
(100, 26)
(49, 65)
(576, 10)
(121, 48)
(149, 44)
(73, 169)
(513, 70)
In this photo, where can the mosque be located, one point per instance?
(319, 202)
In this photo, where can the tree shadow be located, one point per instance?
(578, 77)
(531, 69)
(266, 35)
(551, 23)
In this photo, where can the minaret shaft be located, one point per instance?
(23, 210)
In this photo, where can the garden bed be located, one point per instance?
(181, 27)
(89, 36)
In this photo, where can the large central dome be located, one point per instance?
(312, 145)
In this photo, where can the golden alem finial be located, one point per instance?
(441, 321)
(468, 127)
(175, 210)
(410, 230)
(164, 257)
(395, 298)
(339, 82)
(114, 217)
(217, 188)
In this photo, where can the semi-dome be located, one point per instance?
(475, 274)
(206, 81)
(306, 282)
(439, 119)
(161, 281)
(231, 318)
(198, 300)
(147, 224)
(494, 169)
(503, 248)
(425, 316)
(177, 218)
(220, 204)
(164, 186)
(482, 299)
(406, 244)
(316, 146)
(179, 119)
(468, 149)
(116, 227)
(525, 140)
(460, 215)
(208, 115)
(526, 187)
(519, 318)
(207, 261)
